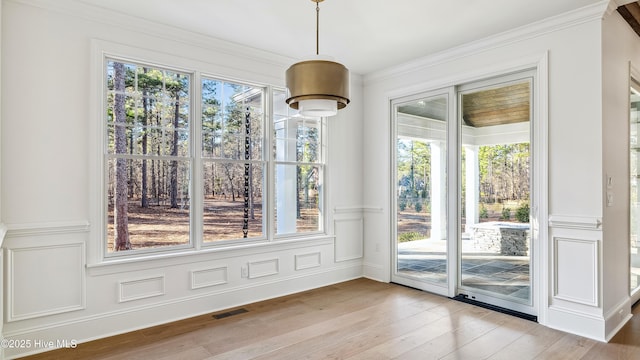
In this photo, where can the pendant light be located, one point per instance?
(317, 87)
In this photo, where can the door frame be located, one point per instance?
(539, 210)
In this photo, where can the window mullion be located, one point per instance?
(268, 157)
(197, 197)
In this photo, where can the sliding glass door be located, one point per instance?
(462, 191)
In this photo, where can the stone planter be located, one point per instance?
(509, 239)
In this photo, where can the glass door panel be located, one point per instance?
(495, 159)
(420, 178)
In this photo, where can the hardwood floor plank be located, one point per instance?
(465, 330)
(409, 340)
(569, 346)
(492, 341)
(529, 345)
(356, 320)
(381, 314)
(625, 345)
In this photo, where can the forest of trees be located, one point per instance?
(150, 158)
(504, 176)
(148, 128)
(148, 123)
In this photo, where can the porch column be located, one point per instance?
(438, 192)
(286, 177)
(472, 186)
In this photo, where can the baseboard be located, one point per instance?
(585, 325)
(617, 317)
(376, 272)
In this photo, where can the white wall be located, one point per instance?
(45, 188)
(570, 297)
(620, 47)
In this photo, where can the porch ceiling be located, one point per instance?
(503, 105)
(631, 13)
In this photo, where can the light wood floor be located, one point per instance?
(359, 319)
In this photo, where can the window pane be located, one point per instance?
(232, 113)
(211, 118)
(421, 188)
(147, 115)
(148, 109)
(232, 201)
(297, 139)
(298, 198)
(154, 212)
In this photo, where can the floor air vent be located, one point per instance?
(466, 299)
(230, 313)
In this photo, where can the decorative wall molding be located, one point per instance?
(576, 264)
(357, 209)
(347, 209)
(93, 326)
(49, 228)
(141, 288)
(308, 261)
(349, 238)
(552, 24)
(162, 261)
(159, 30)
(209, 277)
(575, 222)
(33, 291)
(258, 269)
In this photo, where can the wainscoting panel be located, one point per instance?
(576, 270)
(259, 269)
(141, 288)
(307, 261)
(349, 239)
(209, 277)
(45, 280)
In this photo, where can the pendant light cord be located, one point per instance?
(317, 28)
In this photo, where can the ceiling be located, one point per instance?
(364, 35)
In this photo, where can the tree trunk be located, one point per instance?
(121, 220)
(145, 121)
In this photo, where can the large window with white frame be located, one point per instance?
(186, 164)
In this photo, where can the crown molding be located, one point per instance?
(549, 25)
(77, 8)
